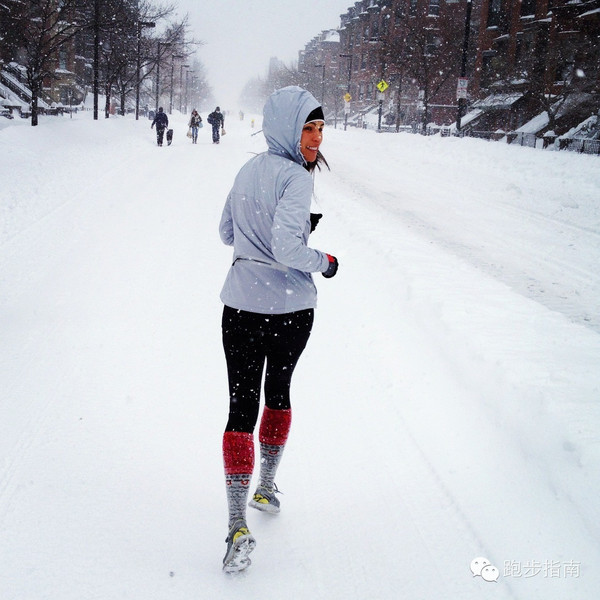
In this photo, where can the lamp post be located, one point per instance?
(96, 56)
(172, 69)
(462, 101)
(322, 82)
(347, 107)
(138, 66)
(181, 86)
(194, 91)
(158, 72)
(187, 89)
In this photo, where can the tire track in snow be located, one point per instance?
(562, 285)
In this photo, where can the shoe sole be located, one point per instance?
(264, 507)
(237, 559)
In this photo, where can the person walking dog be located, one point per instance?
(217, 121)
(162, 122)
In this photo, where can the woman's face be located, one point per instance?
(312, 136)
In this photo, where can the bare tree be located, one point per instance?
(569, 77)
(40, 29)
(430, 58)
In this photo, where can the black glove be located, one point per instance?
(314, 220)
(332, 268)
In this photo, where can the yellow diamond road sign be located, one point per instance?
(382, 86)
(347, 97)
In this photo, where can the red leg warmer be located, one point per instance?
(275, 426)
(238, 452)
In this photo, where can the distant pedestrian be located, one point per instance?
(217, 121)
(162, 122)
(195, 124)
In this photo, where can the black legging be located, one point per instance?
(250, 339)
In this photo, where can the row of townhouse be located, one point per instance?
(66, 68)
(508, 59)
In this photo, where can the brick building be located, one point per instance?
(319, 65)
(411, 45)
(535, 56)
(522, 57)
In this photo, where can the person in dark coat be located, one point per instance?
(217, 121)
(162, 122)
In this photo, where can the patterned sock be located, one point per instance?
(273, 434)
(238, 460)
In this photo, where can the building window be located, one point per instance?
(375, 31)
(494, 11)
(434, 8)
(565, 62)
(528, 7)
(385, 26)
(62, 59)
(432, 44)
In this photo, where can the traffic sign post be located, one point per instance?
(381, 86)
(347, 98)
(462, 87)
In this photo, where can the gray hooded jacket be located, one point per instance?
(267, 217)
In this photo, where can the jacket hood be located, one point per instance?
(284, 115)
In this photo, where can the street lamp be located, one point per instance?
(158, 71)
(194, 91)
(322, 82)
(347, 107)
(139, 41)
(462, 101)
(187, 88)
(172, 69)
(181, 86)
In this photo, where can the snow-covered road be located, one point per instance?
(446, 407)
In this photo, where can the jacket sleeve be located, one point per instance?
(291, 224)
(226, 225)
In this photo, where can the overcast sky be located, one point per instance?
(242, 35)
